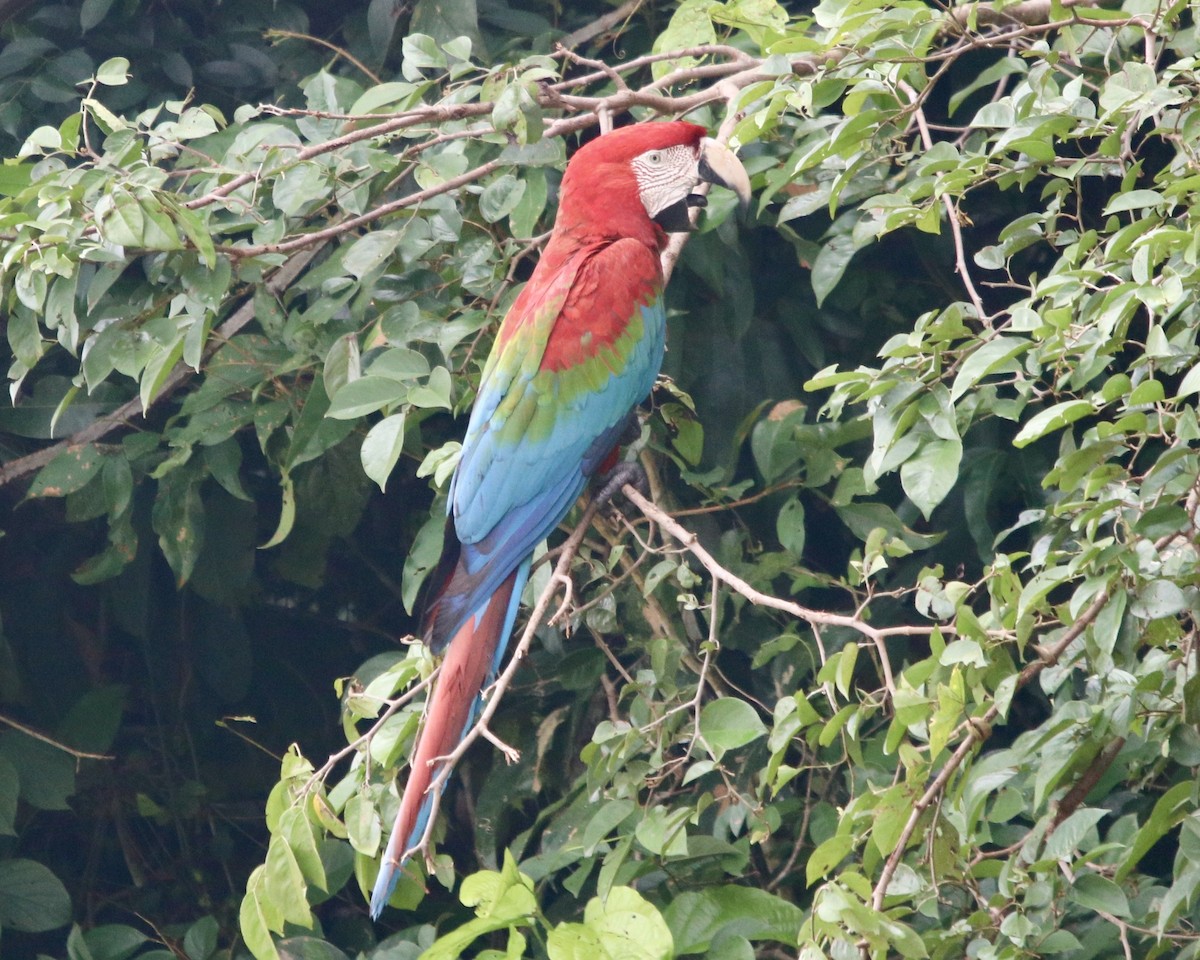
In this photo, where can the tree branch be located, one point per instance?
(1026, 13)
(877, 635)
(601, 24)
(56, 744)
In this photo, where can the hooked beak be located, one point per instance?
(719, 165)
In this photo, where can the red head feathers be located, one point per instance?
(602, 195)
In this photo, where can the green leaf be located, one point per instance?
(362, 825)
(789, 526)
(200, 941)
(663, 832)
(259, 916)
(690, 26)
(1069, 834)
(178, 519)
(343, 364)
(158, 367)
(113, 72)
(1051, 419)
(401, 364)
(1156, 599)
(831, 263)
(10, 790)
(729, 723)
(308, 948)
(371, 251)
(1169, 809)
(422, 558)
(302, 187)
(697, 917)
(70, 471)
(45, 773)
(366, 395)
(628, 925)
(435, 392)
(500, 197)
(931, 473)
(396, 95)
(1099, 893)
(224, 461)
(283, 882)
(1190, 383)
(1134, 200)
(574, 941)
(32, 899)
(297, 831)
(996, 354)
(14, 177)
(502, 900)
(113, 941)
(827, 856)
(382, 447)
(92, 722)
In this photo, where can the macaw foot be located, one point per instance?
(626, 471)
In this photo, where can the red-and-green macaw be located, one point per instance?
(580, 347)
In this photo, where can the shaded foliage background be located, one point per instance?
(944, 384)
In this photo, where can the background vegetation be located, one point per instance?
(901, 659)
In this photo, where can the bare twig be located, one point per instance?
(495, 692)
(601, 24)
(47, 739)
(339, 51)
(688, 540)
(960, 256)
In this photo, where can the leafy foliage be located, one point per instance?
(901, 658)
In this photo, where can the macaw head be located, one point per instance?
(645, 174)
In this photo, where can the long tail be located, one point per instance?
(472, 659)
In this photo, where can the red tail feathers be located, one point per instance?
(469, 664)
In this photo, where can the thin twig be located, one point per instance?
(56, 744)
(601, 24)
(960, 255)
(495, 693)
(339, 51)
(689, 541)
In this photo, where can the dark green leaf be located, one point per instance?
(32, 899)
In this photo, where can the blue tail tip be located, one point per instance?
(385, 886)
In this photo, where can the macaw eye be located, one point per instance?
(654, 157)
